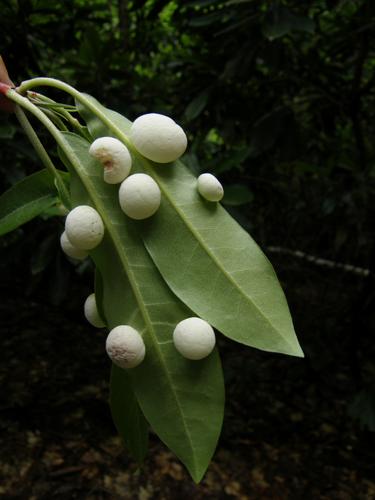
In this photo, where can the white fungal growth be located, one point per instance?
(125, 346)
(71, 250)
(194, 338)
(139, 196)
(158, 137)
(114, 156)
(91, 312)
(84, 227)
(209, 187)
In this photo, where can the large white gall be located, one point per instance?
(125, 346)
(114, 156)
(84, 227)
(158, 137)
(194, 338)
(91, 312)
(209, 187)
(71, 250)
(139, 196)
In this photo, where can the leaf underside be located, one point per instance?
(182, 400)
(206, 258)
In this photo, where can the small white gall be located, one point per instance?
(114, 156)
(158, 137)
(84, 227)
(91, 312)
(71, 250)
(125, 346)
(194, 338)
(139, 196)
(209, 187)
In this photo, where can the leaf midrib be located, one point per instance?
(148, 167)
(90, 187)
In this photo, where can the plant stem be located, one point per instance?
(52, 82)
(64, 112)
(34, 139)
(55, 118)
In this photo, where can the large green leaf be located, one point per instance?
(207, 259)
(182, 400)
(25, 200)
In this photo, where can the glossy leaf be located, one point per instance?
(209, 261)
(25, 200)
(182, 400)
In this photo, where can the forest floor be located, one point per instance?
(286, 435)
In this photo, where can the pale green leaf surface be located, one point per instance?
(182, 400)
(223, 275)
(25, 200)
(95, 127)
(208, 260)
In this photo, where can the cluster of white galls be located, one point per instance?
(161, 140)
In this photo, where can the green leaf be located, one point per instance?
(280, 21)
(216, 268)
(95, 126)
(210, 262)
(99, 294)
(7, 131)
(126, 413)
(182, 400)
(25, 200)
(127, 416)
(197, 105)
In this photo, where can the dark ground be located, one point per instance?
(287, 434)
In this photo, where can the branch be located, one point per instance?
(359, 271)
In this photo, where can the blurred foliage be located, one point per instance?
(275, 95)
(277, 98)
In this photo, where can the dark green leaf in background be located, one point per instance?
(26, 200)
(280, 21)
(197, 105)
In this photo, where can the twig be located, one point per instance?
(359, 271)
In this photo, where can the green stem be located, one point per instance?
(55, 118)
(34, 139)
(64, 112)
(52, 82)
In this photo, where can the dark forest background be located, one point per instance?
(278, 99)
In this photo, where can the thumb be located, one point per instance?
(5, 104)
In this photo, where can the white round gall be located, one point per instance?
(125, 346)
(139, 196)
(114, 156)
(84, 227)
(71, 250)
(194, 338)
(158, 137)
(91, 312)
(209, 187)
